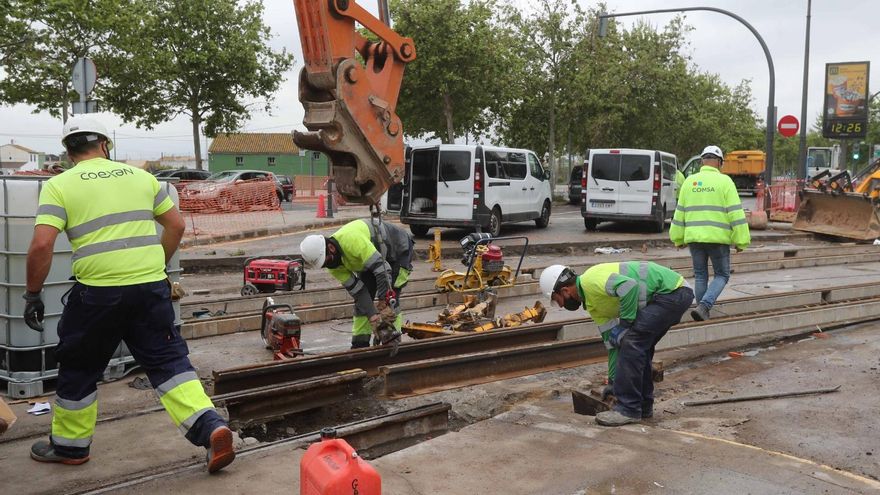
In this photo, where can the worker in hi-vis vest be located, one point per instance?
(372, 260)
(634, 304)
(109, 211)
(709, 219)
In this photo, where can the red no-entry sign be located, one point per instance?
(788, 126)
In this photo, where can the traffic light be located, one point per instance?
(855, 154)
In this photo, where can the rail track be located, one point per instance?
(444, 363)
(316, 305)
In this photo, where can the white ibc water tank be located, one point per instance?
(27, 357)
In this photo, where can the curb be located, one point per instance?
(257, 233)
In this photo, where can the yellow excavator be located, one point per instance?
(842, 205)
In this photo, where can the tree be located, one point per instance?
(16, 38)
(550, 35)
(200, 58)
(47, 39)
(462, 68)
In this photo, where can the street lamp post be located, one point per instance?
(771, 108)
(802, 145)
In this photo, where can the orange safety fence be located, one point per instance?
(217, 208)
(784, 199)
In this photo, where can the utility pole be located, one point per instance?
(802, 147)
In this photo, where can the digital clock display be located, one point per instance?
(836, 128)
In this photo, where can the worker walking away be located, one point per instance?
(108, 211)
(679, 183)
(709, 219)
(634, 304)
(371, 259)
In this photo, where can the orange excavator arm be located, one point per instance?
(350, 101)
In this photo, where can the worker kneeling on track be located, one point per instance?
(634, 304)
(370, 258)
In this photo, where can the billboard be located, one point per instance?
(845, 114)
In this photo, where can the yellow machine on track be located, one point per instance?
(841, 205)
(485, 262)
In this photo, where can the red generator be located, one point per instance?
(265, 275)
(281, 330)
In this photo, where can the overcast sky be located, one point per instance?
(718, 44)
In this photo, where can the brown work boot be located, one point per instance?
(43, 451)
(221, 452)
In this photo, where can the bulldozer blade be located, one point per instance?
(848, 215)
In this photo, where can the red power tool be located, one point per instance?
(280, 330)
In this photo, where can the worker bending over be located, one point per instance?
(109, 212)
(634, 304)
(371, 259)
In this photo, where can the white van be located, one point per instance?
(451, 185)
(628, 185)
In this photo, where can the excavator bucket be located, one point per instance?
(849, 215)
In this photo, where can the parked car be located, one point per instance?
(229, 190)
(453, 185)
(287, 186)
(574, 185)
(630, 185)
(183, 174)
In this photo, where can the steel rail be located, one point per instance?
(244, 304)
(371, 437)
(249, 321)
(369, 360)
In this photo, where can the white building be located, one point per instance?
(17, 157)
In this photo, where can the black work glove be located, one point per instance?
(33, 310)
(608, 391)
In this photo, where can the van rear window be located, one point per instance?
(424, 163)
(606, 167)
(635, 167)
(455, 166)
(621, 167)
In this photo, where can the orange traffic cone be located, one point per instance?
(322, 210)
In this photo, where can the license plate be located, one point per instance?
(596, 204)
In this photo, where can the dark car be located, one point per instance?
(288, 186)
(183, 174)
(574, 185)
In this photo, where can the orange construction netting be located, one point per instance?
(214, 209)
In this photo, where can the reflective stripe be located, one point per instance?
(624, 288)
(721, 209)
(55, 211)
(117, 245)
(741, 221)
(162, 195)
(176, 380)
(374, 262)
(377, 238)
(608, 325)
(72, 442)
(185, 401)
(77, 405)
(643, 270)
(609, 284)
(643, 294)
(108, 220)
(704, 223)
(677, 222)
(351, 282)
(190, 421)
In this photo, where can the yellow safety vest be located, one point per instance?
(107, 210)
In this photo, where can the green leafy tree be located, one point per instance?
(47, 37)
(544, 97)
(461, 71)
(200, 58)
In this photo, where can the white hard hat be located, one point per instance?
(314, 251)
(552, 276)
(83, 124)
(712, 151)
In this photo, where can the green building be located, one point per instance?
(273, 152)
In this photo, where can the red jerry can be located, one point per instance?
(332, 467)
